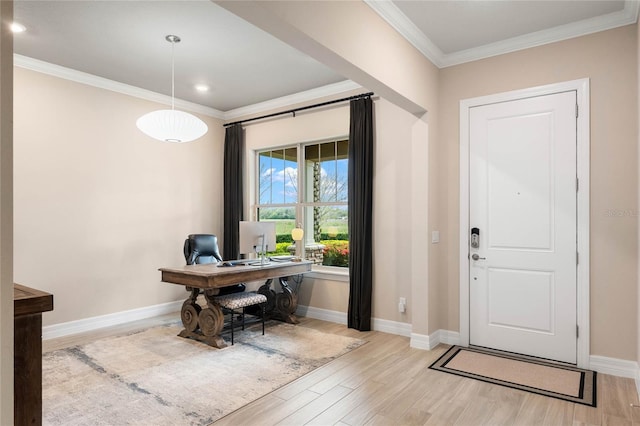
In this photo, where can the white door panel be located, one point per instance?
(521, 299)
(523, 200)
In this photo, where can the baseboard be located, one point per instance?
(322, 314)
(605, 365)
(386, 326)
(392, 327)
(447, 337)
(428, 342)
(116, 318)
(421, 341)
(614, 367)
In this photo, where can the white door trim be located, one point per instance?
(582, 88)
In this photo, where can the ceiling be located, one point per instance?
(124, 41)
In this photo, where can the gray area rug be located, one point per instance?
(153, 377)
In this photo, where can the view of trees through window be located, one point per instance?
(310, 191)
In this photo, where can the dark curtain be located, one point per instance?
(233, 189)
(360, 214)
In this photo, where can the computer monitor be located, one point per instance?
(257, 237)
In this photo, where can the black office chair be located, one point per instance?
(203, 248)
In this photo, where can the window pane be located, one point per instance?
(328, 227)
(342, 174)
(312, 173)
(328, 172)
(312, 152)
(290, 175)
(266, 172)
(285, 219)
(278, 176)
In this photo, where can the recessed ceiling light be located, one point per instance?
(18, 28)
(202, 87)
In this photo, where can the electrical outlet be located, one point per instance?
(402, 305)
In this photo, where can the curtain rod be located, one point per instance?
(293, 111)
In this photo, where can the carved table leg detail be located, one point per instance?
(189, 315)
(211, 321)
(286, 303)
(270, 295)
(203, 325)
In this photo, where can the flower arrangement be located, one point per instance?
(335, 253)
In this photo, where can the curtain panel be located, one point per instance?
(361, 153)
(233, 189)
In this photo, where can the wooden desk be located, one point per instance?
(206, 324)
(28, 305)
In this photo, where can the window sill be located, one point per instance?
(329, 273)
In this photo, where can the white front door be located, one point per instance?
(522, 189)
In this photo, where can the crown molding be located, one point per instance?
(628, 15)
(401, 23)
(296, 98)
(407, 29)
(114, 86)
(126, 89)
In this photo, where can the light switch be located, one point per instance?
(435, 237)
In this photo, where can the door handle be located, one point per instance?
(475, 256)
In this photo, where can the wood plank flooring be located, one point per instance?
(385, 382)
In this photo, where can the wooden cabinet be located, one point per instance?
(28, 305)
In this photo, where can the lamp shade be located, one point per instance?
(297, 234)
(169, 125)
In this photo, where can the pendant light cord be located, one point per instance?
(173, 78)
(173, 39)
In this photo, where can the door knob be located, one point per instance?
(475, 256)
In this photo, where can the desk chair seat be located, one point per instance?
(203, 248)
(232, 302)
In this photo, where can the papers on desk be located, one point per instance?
(281, 258)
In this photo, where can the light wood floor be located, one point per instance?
(385, 382)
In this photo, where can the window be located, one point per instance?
(307, 185)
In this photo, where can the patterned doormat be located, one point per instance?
(548, 378)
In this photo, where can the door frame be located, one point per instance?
(581, 87)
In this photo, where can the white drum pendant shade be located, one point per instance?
(170, 125)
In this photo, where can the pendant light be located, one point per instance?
(169, 125)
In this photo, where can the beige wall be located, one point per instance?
(99, 206)
(6, 214)
(353, 40)
(109, 193)
(638, 180)
(608, 59)
(392, 211)
(360, 45)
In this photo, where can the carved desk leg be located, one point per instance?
(287, 302)
(191, 310)
(270, 295)
(281, 305)
(200, 324)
